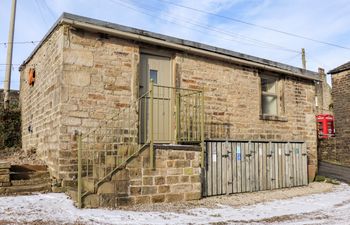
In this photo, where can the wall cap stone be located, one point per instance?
(178, 147)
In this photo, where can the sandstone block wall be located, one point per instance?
(177, 177)
(337, 150)
(324, 95)
(4, 174)
(84, 78)
(41, 103)
(98, 81)
(341, 96)
(327, 150)
(233, 106)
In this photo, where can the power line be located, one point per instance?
(12, 82)
(288, 59)
(53, 15)
(265, 44)
(19, 42)
(12, 64)
(231, 34)
(256, 25)
(41, 12)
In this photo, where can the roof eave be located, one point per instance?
(172, 42)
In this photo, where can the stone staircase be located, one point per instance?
(23, 179)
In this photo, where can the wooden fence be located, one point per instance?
(247, 166)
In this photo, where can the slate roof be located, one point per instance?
(299, 72)
(341, 68)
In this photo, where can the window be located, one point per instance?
(153, 75)
(269, 95)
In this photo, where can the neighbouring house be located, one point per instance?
(126, 116)
(336, 150)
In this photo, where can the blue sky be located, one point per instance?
(324, 20)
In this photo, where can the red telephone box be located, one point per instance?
(325, 126)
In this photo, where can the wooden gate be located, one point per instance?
(235, 167)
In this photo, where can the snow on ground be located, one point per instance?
(326, 208)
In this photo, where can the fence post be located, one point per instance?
(79, 139)
(202, 130)
(151, 150)
(178, 134)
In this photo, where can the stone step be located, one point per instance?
(73, 194)
(89, 184)
(29, 175)
(4, 165)
(30, 181)
(25, 189)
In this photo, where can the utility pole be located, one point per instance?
(7, 82)
(303, 58)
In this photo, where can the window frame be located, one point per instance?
(276, 94)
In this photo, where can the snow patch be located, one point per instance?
(332, 207)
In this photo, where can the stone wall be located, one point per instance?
(98, 82)
(232, 103)
(341, 98)
(327, 150)
(90, 77)
(177, 177)
(324, 95)
(4, 174)
(41, 103)
(337, 150)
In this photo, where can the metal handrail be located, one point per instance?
(114, 116)
(120, 137)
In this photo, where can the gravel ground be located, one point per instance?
(236, 200)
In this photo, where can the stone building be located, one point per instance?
(87, 70)
(337, 150)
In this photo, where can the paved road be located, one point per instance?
(341, 173)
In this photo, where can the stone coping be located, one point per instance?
(178, 147)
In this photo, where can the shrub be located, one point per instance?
(10, 128)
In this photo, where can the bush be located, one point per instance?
(10, 128)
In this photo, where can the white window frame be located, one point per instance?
(275, 94)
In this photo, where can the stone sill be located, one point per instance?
(178, 147)
(273, 118)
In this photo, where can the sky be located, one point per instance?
(323, 20)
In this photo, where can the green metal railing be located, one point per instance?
(148, 120)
